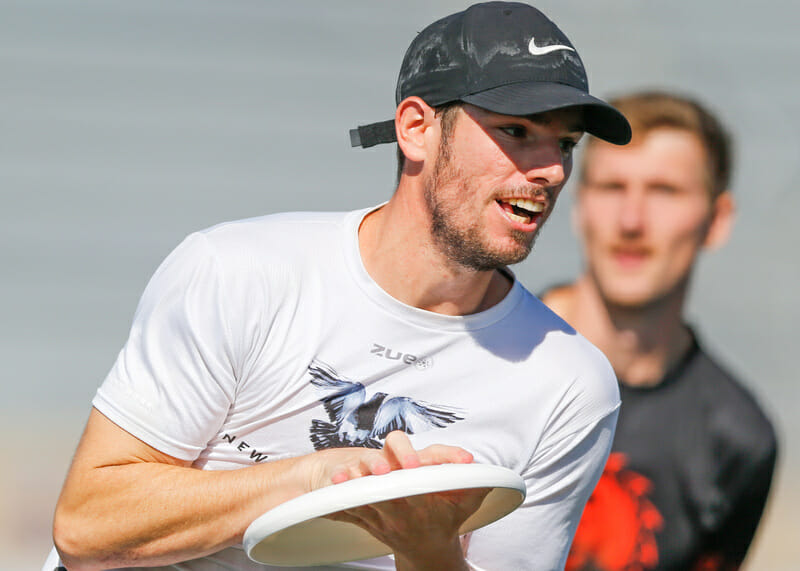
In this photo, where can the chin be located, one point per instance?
(633, 299)
(515, 255)
(629, 302)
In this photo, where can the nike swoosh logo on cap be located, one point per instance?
(540, 51)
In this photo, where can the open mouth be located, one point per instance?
(521, 210)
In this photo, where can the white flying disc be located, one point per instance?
(295, 533)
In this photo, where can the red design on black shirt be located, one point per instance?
(617, 530)
(714, 562)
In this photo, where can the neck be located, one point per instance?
(642, 343)
(400, 255)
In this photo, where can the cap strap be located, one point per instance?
(373, 134)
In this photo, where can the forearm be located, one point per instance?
(151, 513)
(126, 503)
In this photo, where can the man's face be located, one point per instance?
(495, 182)
(643, 213)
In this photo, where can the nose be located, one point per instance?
(631, 211)
(547, 165)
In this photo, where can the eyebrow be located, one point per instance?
(537, 118)
(543, 119)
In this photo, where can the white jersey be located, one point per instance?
(251, 331)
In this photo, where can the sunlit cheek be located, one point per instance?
(479, 170)
(586, 233)
(479, 153)
(685, 225)
(598, 211)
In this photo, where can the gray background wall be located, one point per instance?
(126, 125)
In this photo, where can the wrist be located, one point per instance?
(442, 556)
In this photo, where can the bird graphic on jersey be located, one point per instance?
(358, 421)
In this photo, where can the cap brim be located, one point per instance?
(600, 119)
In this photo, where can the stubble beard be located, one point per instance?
(464, 244)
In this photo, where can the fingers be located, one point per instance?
(366, 463)
(401, 451)
(468, 499)
(334, 466)
(443, 454)
(403, 454)
(397, 453)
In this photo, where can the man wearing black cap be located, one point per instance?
(369, 341)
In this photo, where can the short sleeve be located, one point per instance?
(174, 380)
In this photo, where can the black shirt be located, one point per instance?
(687, 479)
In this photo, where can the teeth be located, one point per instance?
(518, 218)
(526, 204)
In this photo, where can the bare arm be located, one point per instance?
(125, 503)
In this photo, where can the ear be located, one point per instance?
(721, 223)
(412, 121)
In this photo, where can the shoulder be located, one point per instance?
(558, 297)
(734, 412)
(565, 344)
(588, 375)
(289, 230)
(276, 239)
(243, 259)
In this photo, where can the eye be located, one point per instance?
(605, 186)
(515, 131)
(664, 188)
(567, 146)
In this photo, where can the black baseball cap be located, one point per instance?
(505, 57)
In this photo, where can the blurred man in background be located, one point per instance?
(693, 455)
